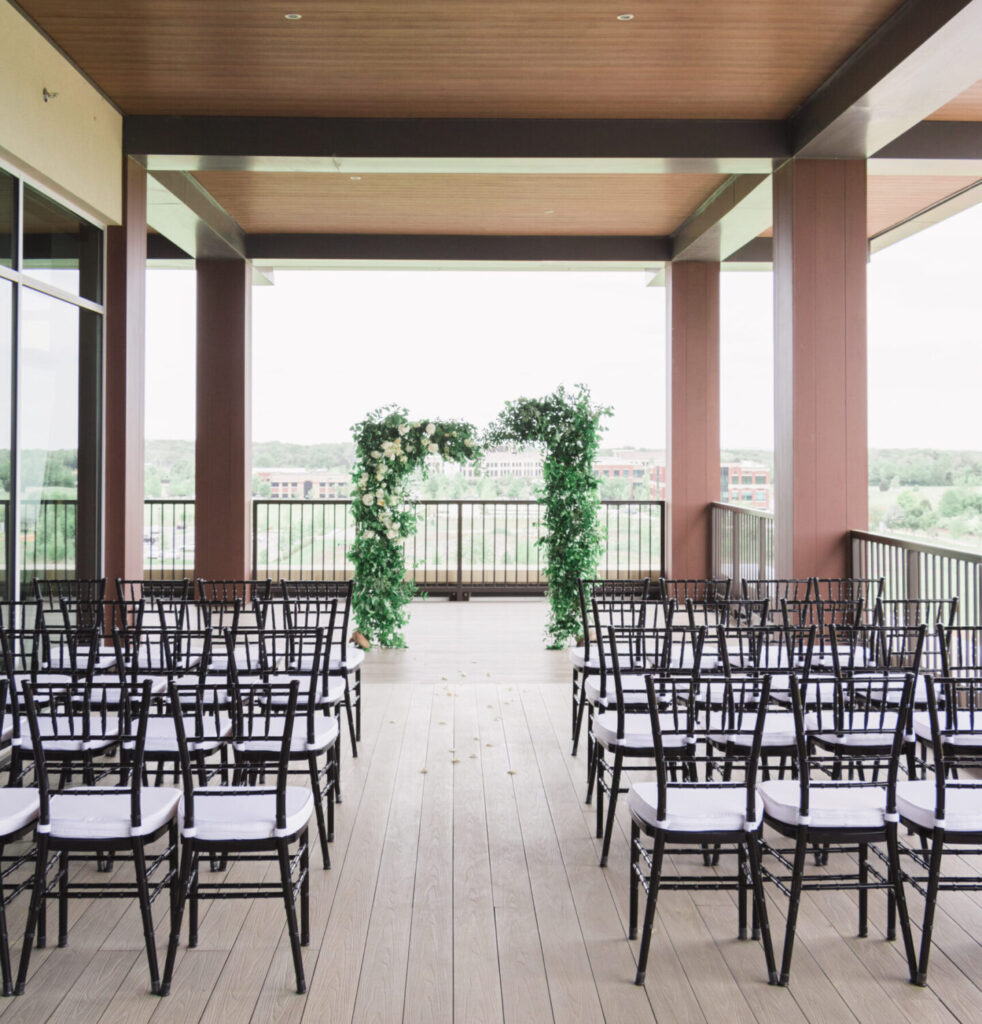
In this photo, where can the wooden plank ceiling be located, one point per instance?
(893, 198)
(966, 107)
(464, 204)
(466, 58)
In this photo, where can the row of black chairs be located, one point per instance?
(855, 779)
(222, 707)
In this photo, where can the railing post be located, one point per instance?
(761, 549)
(459, 595)
(912, 580)
(735, 570)
(255, 538)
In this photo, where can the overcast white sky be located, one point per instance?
(330, 345)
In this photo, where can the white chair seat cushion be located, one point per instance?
(353, 657)
(62, 735)
(335, 691)
(693, 808)
(162, 734)
(269, 735)
(101, 812)
(963, 720)
(246, 813)
(579, 660)
(637, 731)
(778, 730)
(963, 805)
(856, 737)
(18, 808)
(845, 806)
(633, 694)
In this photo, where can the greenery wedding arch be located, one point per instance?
(567, 426)
(389, 447)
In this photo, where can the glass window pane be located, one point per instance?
(8, 205)
(60, 248)
(6, 341)
(48, 441)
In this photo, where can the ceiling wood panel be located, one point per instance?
(466, 58)
(966, 107)
(892, 198)
(467, 204)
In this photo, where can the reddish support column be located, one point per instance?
(223, 450)
(692, 348)
(820, 401)
(125, 330)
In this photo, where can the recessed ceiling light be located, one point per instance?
(293, 17)
(355, 177)
(548, 211)
(625, 17)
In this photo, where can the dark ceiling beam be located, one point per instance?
(919, 59)
(933, 147)
(734, 215)
(181, 210)
(643, 250)
(514, 144)
(756, 251)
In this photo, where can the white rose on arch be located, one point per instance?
(430, 429)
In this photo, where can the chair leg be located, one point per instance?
(8, 984)
(188, 866)
(579, 700)
(315, 789)
(634, 881)
(143, 892)
(615, 785)
(352, 732)
(63, 899)
(304, 890)
(358, 704)
(930, 904)
(600, 767)
(649, 908)
(760, 905)
(37, 896)
(863, 891)
(900, 897)
(286, 881)
(797, 878)
(741, 893)
(332, 782)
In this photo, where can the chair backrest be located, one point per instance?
(679, 731)
(960, 650)
(638, 590)
(324, 590)
(78, 601)
(175, 595)
(753, 649)
(221, 601)
(862, 648)
(775, 591)
(954, 707)
(916, 611)
(261, 709)
(639, 653)
(272, 654)
(705, 591)
(847, 588)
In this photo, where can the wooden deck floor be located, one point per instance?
(465, 887)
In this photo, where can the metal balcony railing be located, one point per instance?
(460, 547)
(742, 542)
(913, 569)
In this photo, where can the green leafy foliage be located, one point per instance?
(567, 426)
(389, 448)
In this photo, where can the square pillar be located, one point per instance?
(692, 455)
(820, 399)
(125, 360)
(223, 446)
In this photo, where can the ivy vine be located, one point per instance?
(389, 448)
(567, 426)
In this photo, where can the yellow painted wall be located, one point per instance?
(72, 144)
